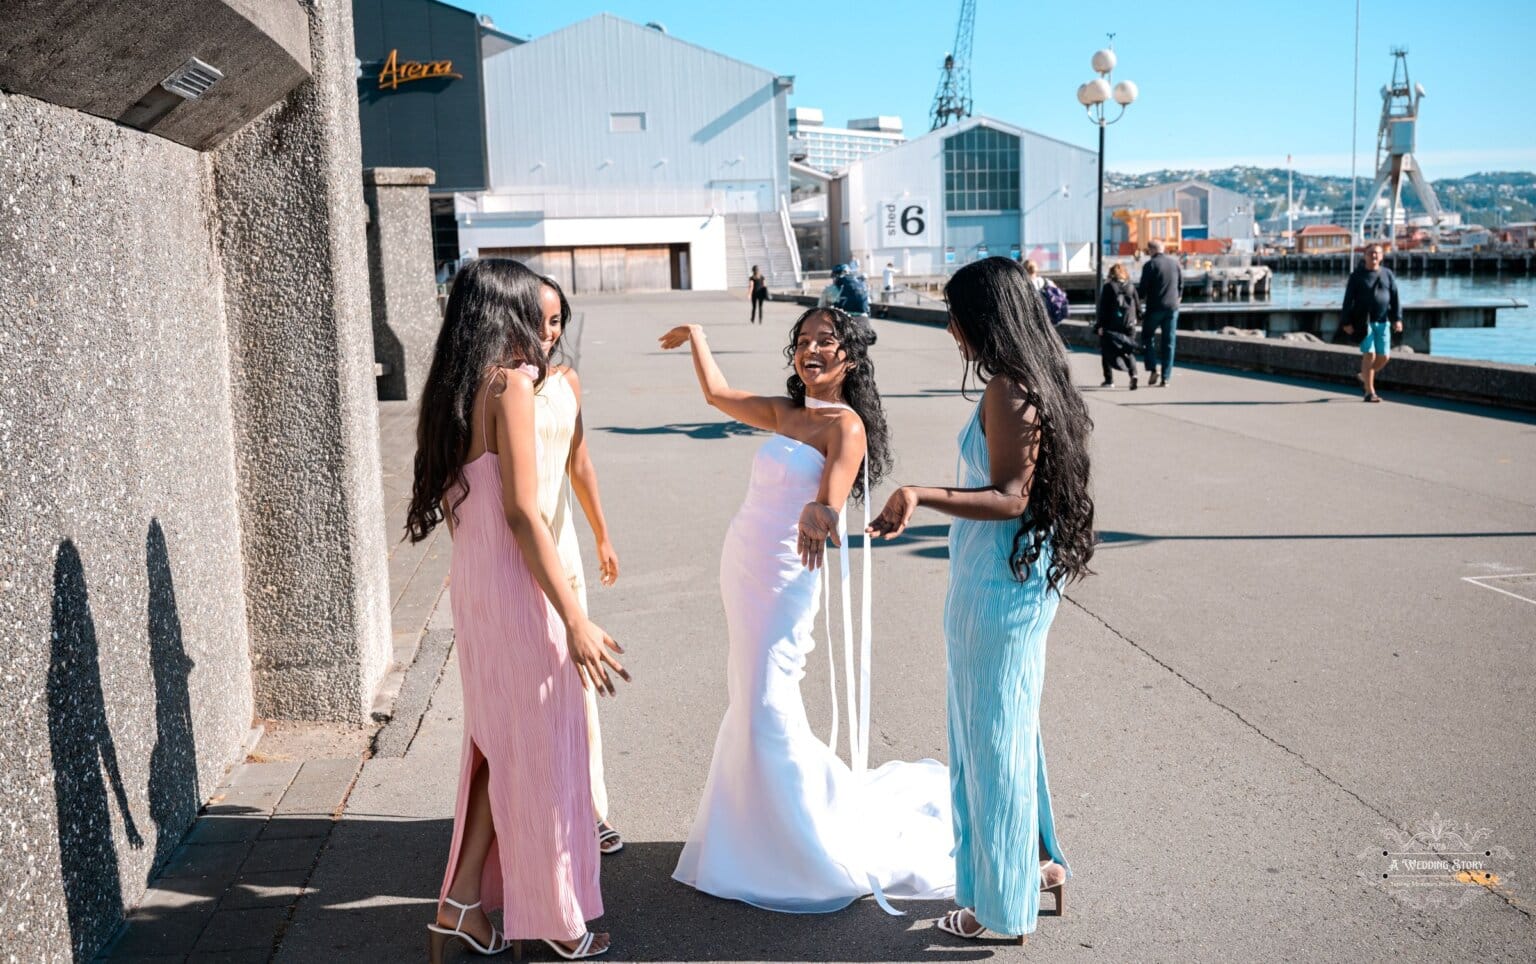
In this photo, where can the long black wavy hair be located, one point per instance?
(1004, 323)
(492, 321)
(856, 337)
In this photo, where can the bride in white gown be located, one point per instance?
(784, 823)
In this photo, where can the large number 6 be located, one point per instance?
(913, 215)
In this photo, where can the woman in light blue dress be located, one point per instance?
(1023, 527)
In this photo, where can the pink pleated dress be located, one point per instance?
(525, 718)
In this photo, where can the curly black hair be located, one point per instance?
(1005, 325)
(856, 337)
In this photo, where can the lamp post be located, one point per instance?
(1094, 96)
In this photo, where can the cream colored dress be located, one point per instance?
(555, 418)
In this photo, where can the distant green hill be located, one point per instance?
(1477, 197)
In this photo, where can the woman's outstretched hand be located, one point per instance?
(681, 335)
(589, 648)
(818, 526)
(893, 519)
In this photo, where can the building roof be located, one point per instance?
(796, 169)
(610, 18)
(1135, 194)
(981, 120)
(1313, 230)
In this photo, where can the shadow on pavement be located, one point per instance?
(372, 895)
(925, 542)
(708, 431)
(1159, 404)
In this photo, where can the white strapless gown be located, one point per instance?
(784, 823)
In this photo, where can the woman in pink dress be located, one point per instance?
(522, 832)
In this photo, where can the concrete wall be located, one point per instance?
(292, 239)
(127, 685)
(406, 318)
(188, 478)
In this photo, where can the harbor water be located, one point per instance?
(1513, 341)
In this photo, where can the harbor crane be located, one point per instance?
(952, 100)
(1395, 143)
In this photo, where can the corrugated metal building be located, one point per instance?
(966, 192)
(622, 158)
(1208, 211)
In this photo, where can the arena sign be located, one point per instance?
(394, 73)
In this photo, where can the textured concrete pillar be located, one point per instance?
(291, 235)
(405, 313)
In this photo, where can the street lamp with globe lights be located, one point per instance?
(1094, 96)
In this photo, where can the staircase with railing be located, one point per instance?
(762, 238)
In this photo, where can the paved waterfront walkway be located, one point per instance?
(1308, 640)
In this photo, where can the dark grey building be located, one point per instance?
(421, 96)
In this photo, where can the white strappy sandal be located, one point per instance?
(442, 935)
(608, 839)
(954, 923)
(581, 951)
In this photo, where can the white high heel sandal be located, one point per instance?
(442, 935)
(581, 951)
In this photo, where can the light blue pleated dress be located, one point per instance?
(995, 629)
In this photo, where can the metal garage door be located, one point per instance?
(593, 269)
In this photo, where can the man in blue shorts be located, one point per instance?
(1371, 307)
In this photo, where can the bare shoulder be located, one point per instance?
(849, 425)
(1007, 402)
(511, 385)
(571, 378)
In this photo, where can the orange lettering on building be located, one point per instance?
(394, 73)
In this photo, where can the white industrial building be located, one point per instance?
(1207, 211)
(966, 192)
(830, 149)
(622, 158)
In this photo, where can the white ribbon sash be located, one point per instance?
(858, 694)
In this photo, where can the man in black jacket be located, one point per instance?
(1161, 289)
(1371, 305)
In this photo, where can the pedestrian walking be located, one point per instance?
(757, 291)
(846, 292)
(1161, 289)
(1372, 308)
(1115, 323)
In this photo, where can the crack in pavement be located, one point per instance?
(1507, 898)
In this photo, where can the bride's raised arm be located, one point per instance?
(758, 411)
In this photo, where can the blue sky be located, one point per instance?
(1235, 82)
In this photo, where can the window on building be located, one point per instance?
(981, 171)
(621, 123)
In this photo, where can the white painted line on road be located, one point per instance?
(1479, 581)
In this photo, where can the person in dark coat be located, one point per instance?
(1161, 290)
(1115, 323)
(1372, 312)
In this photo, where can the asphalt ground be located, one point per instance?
(1281, 669)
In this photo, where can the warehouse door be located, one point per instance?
(589, 270)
